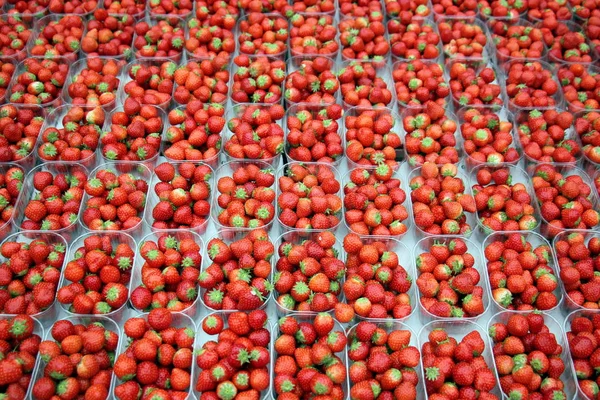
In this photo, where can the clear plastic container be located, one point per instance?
(396, 128)
(579, 394)
(203, 338)
(138, 171)
(126, 78)
(448, 115)
(21, 68)
(228, 238)
(179, 320)
(184, 15)
(381, 59)
(549, 230)
(236, 111)
(389, 327)
(40, 24)
(413, 105)
(382, 71)
(405, 260)
(75, 244)
(324, 19)
(458, 330)
(212, 161)
(137, 15)
(297, 238)
(397, 174)
(566, 377)
(486, 53)
(471, 218)
(505, 68)
(28, 193)
(271, 16)
(423, 246)
(38, 330)
(343, 355)
(568, 304)
(296, 63)
(50, 314)
(226, 170)
(6, 228)
(314, 168)
(477, 65)
(521, 117)
(82, 65)
(234, 68)
(518, 176)
(536, 240)
(314, 110)
(466, 15)
(27, 24)
(505, 116)
(150, 162)
(40, 364)
(577, 107)
(420, 23)
(153, 20)
(27, 16)
(152, 200)
(572, 27)
(503, 58)
(55, 120)
(136, 273)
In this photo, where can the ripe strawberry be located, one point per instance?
(274, 26)
(140, 362)
(443, 360)
(246, 199)
(452, 292)
(371, 211)
(530, 354)
(64, 371)
(100, 284)
(317, 291)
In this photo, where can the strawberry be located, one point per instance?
(107, 205)
(506, 34)
(28, 88)
(312, 35)
(140, 362)
(317, 291)
(182, 198)
(452, 292)
(361, 84)
(432, 185)
(246, 284)
(274, 26)
(63, 372)
(443, 360)
(520, 91)
(418, 82)
(530, 353)
(164, 38)
(324, 204)
(101, 268)
(502, 203)
(49, 46)
(53, 198)
(206, 81)
(421, 146)
(248, 362)
(413, 41)
(245, 199)
(462, 39)
(257, 79)
(367, 45)
(371, 211)
(372, 138)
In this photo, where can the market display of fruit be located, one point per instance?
(299, 199)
